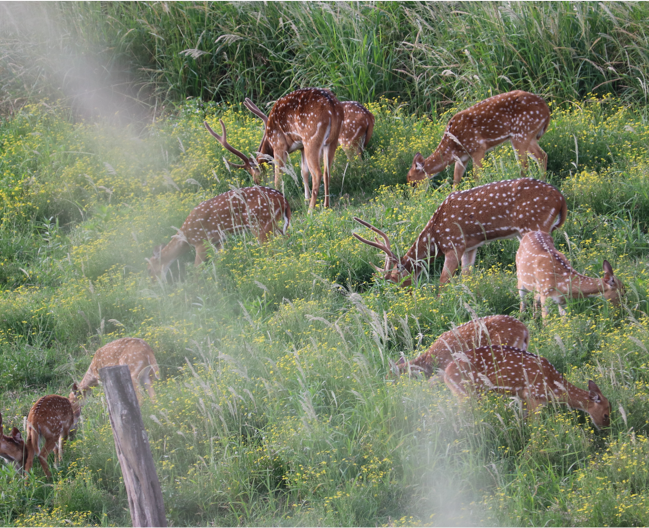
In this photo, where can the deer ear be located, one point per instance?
(75, 388)
(594, 393)
(16, 434)
(157, 251)
(608, 272)
(418, 161)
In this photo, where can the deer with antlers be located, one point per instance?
(133, 352)
(544, 270)
(493, 330)
(50, 420)
(468, 219)
(12, 447)
(509, 370)
(257, 209)
(519, 117)
(308, 120)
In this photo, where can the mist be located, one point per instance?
(41, 58)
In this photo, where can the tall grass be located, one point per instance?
(427, 54)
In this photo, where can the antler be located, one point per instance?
(390, 257)
(253, 108)
(224, 141)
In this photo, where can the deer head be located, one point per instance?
(12, 447)
(249, 164)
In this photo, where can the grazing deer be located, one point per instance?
(356, 132)
(494, 330)
(258, 209)
(532, 378)
(133, 352)
(308, 120)
(468, 219)
(50, 419)
(12, 448)
(542, 269)
(517, 116)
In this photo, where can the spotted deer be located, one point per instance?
(468, 219)
(493, 330)
(257, 209)
(357, 129)
(308, 120)
(519, 117)
(509, 370)
(50, 420)
(12, 447)
(133, 352)
(544, 270)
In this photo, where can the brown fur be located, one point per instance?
(50, 419)
(519, 117)
(468, 219)
(532, 378)
(542, 269)
(257, 209)
(497, 330)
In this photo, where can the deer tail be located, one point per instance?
(562, 215)
(287, 218)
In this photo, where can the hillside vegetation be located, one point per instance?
(274, 407)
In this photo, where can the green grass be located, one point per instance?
(112, 57)
(273, 406)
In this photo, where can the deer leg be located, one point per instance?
(305, 176)
(521, 293)
(49, 446)
(562, 310)
(458, 172)
(313, 160)
(453, 380)
(148, 382)
(468, 260)
(477, 157)
(31, 450)
(201, 253)
(450, 265)
(329, 152)
(280, 158)
(520, 149)
(539, 155)
(544, 306)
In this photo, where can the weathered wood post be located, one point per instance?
(133, 450)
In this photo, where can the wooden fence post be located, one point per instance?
(133, 450)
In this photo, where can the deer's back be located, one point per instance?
(509, 114)
(130, 351)
(496, 210)
(301, 111)
(496, 330)
(51, 415)
(509, 370)
(539, 265)
(233, 211)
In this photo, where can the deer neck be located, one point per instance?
(424, 249)
(173, 250)
(423, 363)
(586, 286)
(438, 160)
(265, 150)
(574, 396)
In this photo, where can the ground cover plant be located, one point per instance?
(273, 406)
